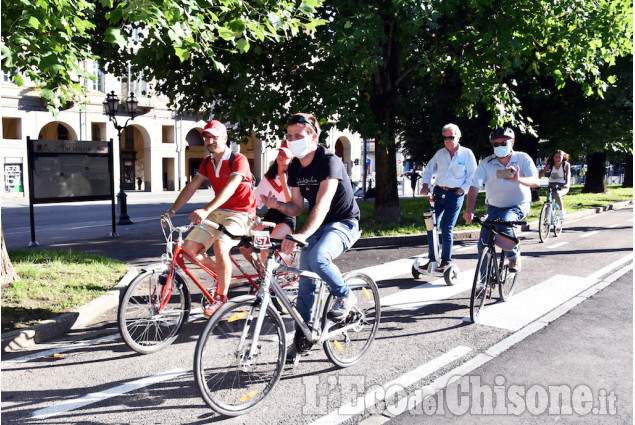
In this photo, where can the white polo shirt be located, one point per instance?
(451, 172)
(500, 192)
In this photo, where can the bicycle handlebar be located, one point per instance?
(299, 242)
(484, 221)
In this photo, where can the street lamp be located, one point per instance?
(111, 105)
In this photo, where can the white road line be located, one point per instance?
(614, 265)
(58, 350)
(428, 293)
(73, 404)
(533, 302)
(556, 245)
(343, 413)
(614, 225)
(586, 235)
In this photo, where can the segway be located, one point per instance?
(451, 273)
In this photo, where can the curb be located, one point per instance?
(422, 239)
(47, 329)
(86, 314)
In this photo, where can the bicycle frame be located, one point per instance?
(178, 261)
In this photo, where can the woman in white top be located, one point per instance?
(274, 183)
(560, 175)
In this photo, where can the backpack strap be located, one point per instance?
(232, 157)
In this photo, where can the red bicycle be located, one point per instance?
(158, 301)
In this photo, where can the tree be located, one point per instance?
(47, 40)
(356, 68)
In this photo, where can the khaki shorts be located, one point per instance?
(236, 223)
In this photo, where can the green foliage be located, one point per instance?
(46, 40)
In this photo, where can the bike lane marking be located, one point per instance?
(539, 300)
(428, 293)
(586, 235)
(389, 389)
(58, 350)
(557, 245)
(96, 397)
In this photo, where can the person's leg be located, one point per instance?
(336, 238)
(198, 250)
(306, 286)
(453, 204)
(515, 213)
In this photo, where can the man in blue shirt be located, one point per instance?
(506, 198)
(454, 168)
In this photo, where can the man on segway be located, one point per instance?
(454, 168)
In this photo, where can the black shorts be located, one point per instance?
(277, 217)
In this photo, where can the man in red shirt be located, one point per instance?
(233, 206)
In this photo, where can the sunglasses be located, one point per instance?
(301, 119)
(449, 137)
(498, 144)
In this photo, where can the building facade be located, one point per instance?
(159, 150)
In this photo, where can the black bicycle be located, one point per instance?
(493, 270)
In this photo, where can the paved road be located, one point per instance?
(423, 337)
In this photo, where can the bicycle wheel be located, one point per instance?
(143, 327)
(230, 381)
(506, 288)
(482, 283)
(559, 222)
(349, 347)
(544, 225)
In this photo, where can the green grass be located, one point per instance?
(412, 210)
(54, 282)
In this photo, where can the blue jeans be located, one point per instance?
(514, 213)
(447, 206)
(325, 245)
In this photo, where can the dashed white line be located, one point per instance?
(586, 235)
(91, 398)
(343, 413)
(59, 350)
(556, 245)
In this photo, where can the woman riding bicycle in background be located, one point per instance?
(274, 183)
(560, 175)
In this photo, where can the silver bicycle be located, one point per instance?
(242, 351)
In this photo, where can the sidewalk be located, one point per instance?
(147, 252)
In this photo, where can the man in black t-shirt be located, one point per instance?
(317, 175)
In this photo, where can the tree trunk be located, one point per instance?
(628, 172)
(596, 173)
(8, 273)
(386, 194)
(383, 103)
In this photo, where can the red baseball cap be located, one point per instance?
(286, 150)
(214, 128)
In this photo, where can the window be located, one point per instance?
(11, 128)
(168, 134)
(99, 83)
(97, 129)
(129, 136)
(8, 78)
(62, 132)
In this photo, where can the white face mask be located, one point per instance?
(502, 151)
(300, 148)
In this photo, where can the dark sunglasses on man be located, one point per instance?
(503, 143)
(301, 119)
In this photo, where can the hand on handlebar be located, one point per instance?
(198, 216)
(288, 245)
